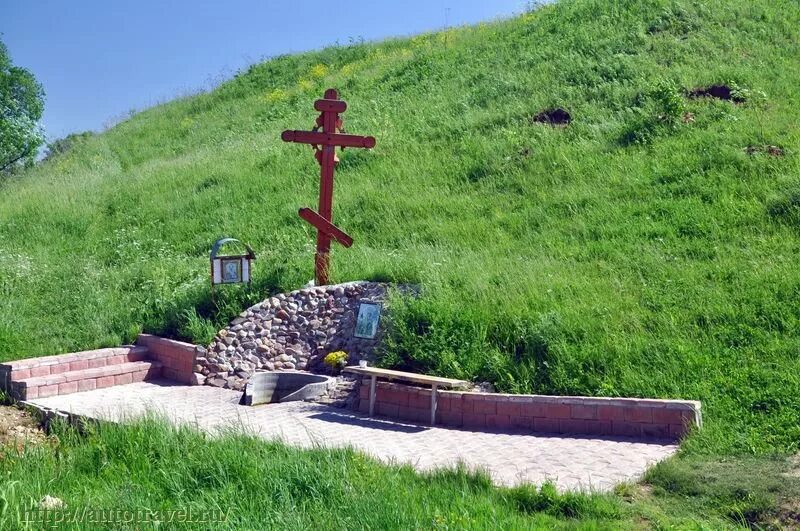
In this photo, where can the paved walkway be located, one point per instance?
(572, 462)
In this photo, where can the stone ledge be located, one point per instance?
(630, 417)
(60, 359)
(176, 357)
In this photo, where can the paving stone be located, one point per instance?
(511, 458)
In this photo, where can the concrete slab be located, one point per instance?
(571, 462)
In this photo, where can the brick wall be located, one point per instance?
(176, 357)
(630, 417)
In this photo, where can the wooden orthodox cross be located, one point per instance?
(324, 138)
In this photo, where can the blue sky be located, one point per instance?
(99, 59)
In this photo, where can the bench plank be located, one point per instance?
(407, 376)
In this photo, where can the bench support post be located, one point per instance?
(372, 395)
(433, 403)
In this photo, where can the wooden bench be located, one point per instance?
(434, 381)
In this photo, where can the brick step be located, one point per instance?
(84, 379)
(37, 367)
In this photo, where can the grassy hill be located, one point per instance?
(647, 249)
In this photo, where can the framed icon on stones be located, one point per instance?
(369, 317)
(230, 269)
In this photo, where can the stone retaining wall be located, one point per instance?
(176, 357)
(289, 331)
(629, 417)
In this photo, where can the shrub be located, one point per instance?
(336, 360)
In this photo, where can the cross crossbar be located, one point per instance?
(328, 139)
(325, 143)
(325, 226)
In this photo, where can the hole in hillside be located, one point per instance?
(720, 92)
(211, 182)
(774, 151)
(557, 116)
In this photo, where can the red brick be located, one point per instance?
(512, 409)
(363, 392)
(414, 414)
(523, 423)
(667, 416)
(59, 368)
(610, 412)
(584, 412)
(485, 407)
(468, 401)
(184, 364)
(382, 394)
(449, 418)
(400, 397)
(136, 356)
(598, 427)
(41, 370)
(139, 376)
(89, 384)
(54, 379)
(107, 370)
(105, 381)
(499, 422)
(558, 411)
(21, 374)
(533, 409)
(660, 431)
(419, 400)
(443, 403)
(48, 390)
(96, 362)
(78, 365)
(179, 352)
(387, 410)
(626, 429)
(31, 393)
(473, 420)
(641, 414)
(457, 405)
(546, 425)
(67, 387)
(572, 426)
(677, 431)
(116, 360)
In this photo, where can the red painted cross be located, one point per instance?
(325, 142)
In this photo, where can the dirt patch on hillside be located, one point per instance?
(775, 151)
(19, 429)
(720, 92)
(556, 116)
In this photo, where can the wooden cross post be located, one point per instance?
(324, 138)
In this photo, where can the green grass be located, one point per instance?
(641, 251)
(149, 466)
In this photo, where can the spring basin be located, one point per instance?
(284, 386)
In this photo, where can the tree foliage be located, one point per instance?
(21, 107)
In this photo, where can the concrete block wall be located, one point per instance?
(629, 417)
(177, 358)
